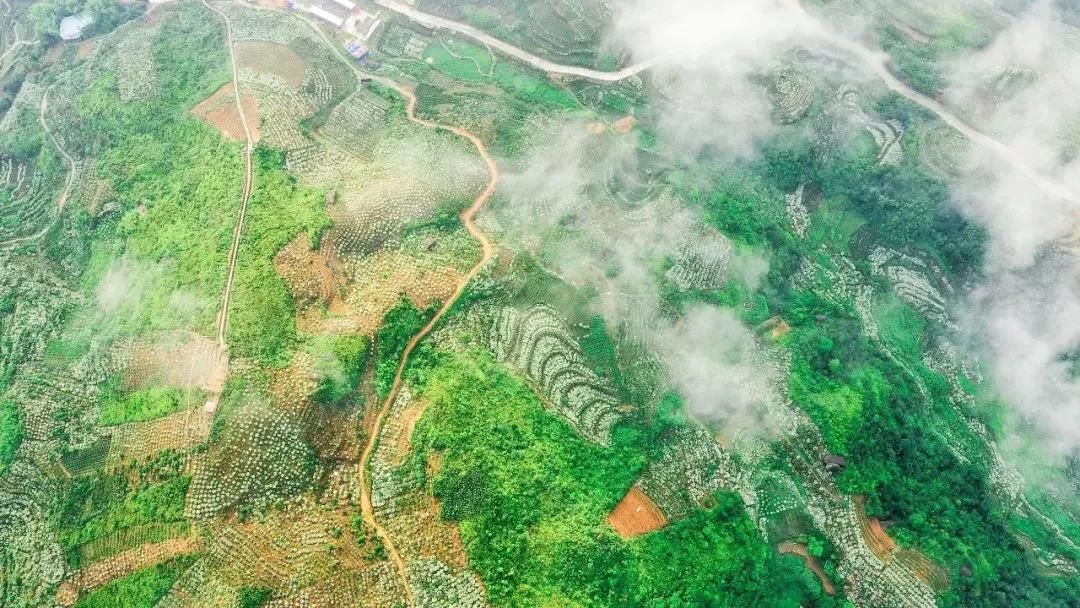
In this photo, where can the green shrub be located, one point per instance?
(11, 433)
(141, 589)
(145, 404)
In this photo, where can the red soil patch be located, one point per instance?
(220, 111)
(636, 514)
(85, 49)
(811, 563)
(886, 548)
(777, 327)
(876, 537)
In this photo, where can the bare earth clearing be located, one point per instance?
(636, 514)
(220, 111)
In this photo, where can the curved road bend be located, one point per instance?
(436, 22)
(367, 511)
(875, 61)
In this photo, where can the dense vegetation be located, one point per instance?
(145, 404)
(261, 324)
(531, 496)
(528, 493)
(94, 508)
(340, 362)
(400, 325)
(11, 433)
(141, 589)
(868, 402)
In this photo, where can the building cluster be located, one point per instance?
(346, 16)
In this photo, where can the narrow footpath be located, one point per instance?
(238, 231)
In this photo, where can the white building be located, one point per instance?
(72, 26)
(327, 16)
(346, 3)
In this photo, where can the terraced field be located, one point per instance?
(517, 311)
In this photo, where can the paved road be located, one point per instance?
(434, 21)
(875, 61)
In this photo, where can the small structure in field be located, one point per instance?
(357, 50)
(834, 463)
(346, 3)
(72, 26)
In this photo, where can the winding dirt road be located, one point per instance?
(238, 231)
(69, 181)
(488, 249)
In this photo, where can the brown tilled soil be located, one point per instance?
(311, 275)
(636, 514)
(927, 571)
(177, 360)
(780, 330)
(811, 563)
(876, 537)
(886, 548)
(272, 58)
(121, 565)
(624, 125)
(220, 111)
(142, 440)
(85, 49)
(409, 418)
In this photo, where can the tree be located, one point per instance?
(45, 19)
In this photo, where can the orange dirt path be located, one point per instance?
(468, 219)
(811, 562)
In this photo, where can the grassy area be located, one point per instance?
(145, 404)
(527, 85)
(95, 507)
(176, 180)
(261, 323)
(11, 433)
(339, 361)
(141, 589)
